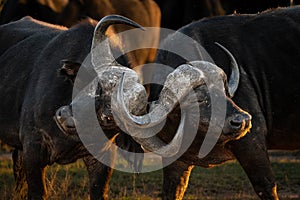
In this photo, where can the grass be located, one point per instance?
(226, 181)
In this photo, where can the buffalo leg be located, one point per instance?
(176, 177)
(251, 150)
(19, 174)
(99, 177)
(35, 170)
(252, 154)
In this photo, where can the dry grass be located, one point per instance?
(227, 181)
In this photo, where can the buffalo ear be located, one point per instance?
(69, 69)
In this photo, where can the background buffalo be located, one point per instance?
(70, 12)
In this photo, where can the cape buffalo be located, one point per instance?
(31, 54)
(266, 48)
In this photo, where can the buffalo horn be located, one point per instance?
(101, 52)
(235, 72)
(155, 145)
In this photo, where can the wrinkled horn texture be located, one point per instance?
(143, 128)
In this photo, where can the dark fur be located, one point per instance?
(177, 13)
(254, 6)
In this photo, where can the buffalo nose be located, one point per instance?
(64, 112)
(64, 119)
(238, 122)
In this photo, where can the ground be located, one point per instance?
(227, 181)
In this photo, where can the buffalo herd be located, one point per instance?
(240, 73)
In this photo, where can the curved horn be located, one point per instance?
(155, 145)
(177, 86)
(101, 54)
(147, 140)
(234, 79)
(142, 128)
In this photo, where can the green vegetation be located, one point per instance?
(226, 181)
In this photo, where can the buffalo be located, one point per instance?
(31, 54)
(266, 48)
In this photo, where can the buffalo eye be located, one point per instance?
(69, 69)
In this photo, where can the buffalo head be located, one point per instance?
(105, 75)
